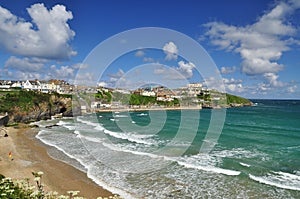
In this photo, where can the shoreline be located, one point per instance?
(146, 109)
(30, 155)
(166, 108)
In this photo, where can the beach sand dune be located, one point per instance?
(21, 154)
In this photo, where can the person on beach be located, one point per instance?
(10, 156)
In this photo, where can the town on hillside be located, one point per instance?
(90, 99)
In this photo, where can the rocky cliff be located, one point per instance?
(25, 106)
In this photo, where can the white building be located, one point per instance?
(32, 85)
(148, 93)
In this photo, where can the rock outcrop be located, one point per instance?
(44, 110)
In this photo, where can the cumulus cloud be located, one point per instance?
(102, 84)
(116, 76)
(171, 51)
(233, 85)
(80, 66)
(23, 75)
(46, 36)
(139, 53)
(183, 71)
(63, 72)
(228, 70)
(273, 80)
(148, 59)
(186, 69)
(261, 44)
(292, 89)
(25, 64)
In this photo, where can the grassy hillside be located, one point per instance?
(232, 99)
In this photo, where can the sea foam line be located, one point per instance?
(263, 180)
(210, 169)
(187, 165)
(244, 164)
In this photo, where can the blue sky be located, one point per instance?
(254, 44)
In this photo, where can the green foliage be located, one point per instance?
(141, 100)
(9, 189)
(24, 100)
(120, 97)
(106, 97)
(150, 100)
(232, 99)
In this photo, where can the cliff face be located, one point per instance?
(27, 106)
(42, 110)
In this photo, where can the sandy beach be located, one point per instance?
(30, 155)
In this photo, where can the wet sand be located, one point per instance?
(30, 155)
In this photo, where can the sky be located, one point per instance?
(254, 45)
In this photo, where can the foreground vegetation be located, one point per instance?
(22, 189)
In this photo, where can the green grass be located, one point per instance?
(24, 100)
(236, 99)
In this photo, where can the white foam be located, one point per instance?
(60, 149)
(289, 175)
(66, 125)
(142, 114)
(61, 123)
(120, 116)
(210, 169)
(280, 180)
(185, 164)
(99, 128)
(115, 148)
(130, 137)
(133, 122)
(244, 164)
(112, 189)
(112, 119)
(87, 122)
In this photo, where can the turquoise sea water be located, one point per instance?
(158, 154)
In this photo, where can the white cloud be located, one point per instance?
(183, 71)
(20, 75)
(186, 68)
(25, 64)
(232, 81)
(84, 78)
(261, 44)
(80, 66)
(228, 70)
(64, 72)
(171, 51)
(116, 76)
(292, 89)
(102, 84)
(214, 83)
(148, 59)
(139, 53)
(47, 36)
(238, 88)
(273, 80)
(233, 85)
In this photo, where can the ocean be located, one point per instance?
(180, 154)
